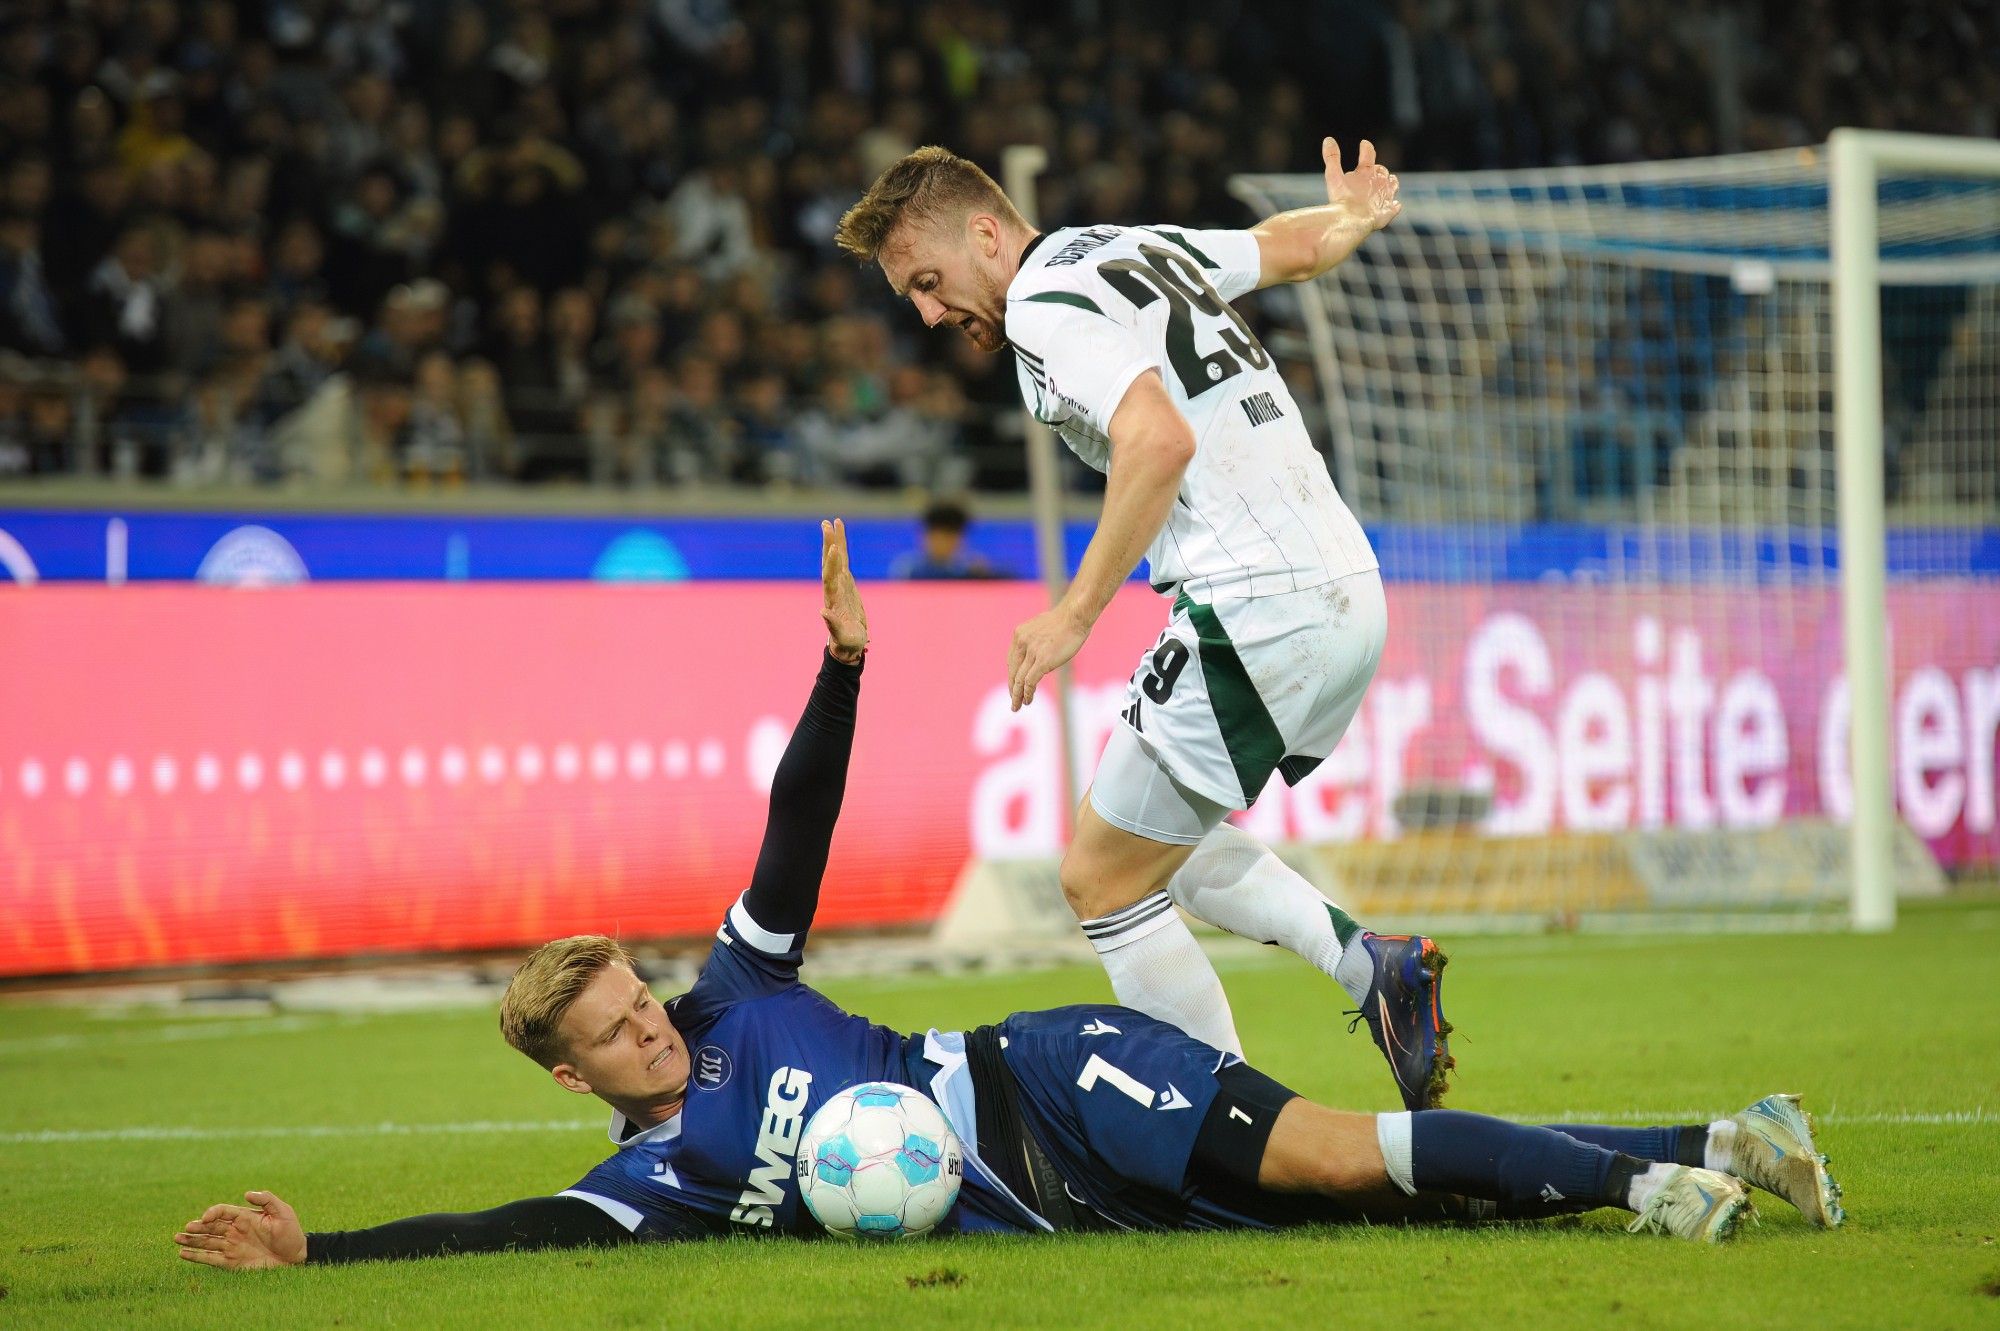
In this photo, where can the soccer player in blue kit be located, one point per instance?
(1075, 1118)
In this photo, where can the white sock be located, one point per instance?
(1394, 1135)
(1157, 968)
(1235, 882)
(1646, 1184)
(1721, 1144)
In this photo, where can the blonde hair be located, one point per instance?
(547, 984)
(929, 186)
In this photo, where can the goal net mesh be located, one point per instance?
(1587, 417)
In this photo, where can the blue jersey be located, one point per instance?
(765, 1052)
(1114, 1098)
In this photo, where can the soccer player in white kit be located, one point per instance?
(1127, 346)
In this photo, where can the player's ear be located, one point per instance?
(985, 229)
(569, 1078)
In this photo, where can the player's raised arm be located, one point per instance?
(267, 1233)
(811, 778)
(1300, 245)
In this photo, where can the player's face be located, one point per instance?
(952, 277)
(621, 1044)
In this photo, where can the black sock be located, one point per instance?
(1618, 1183)
(1692, 1146)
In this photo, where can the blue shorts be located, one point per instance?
(1116, 1100)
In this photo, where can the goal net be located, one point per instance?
(1588, 416)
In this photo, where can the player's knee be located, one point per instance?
(1096, 885)
(1090, 893)
(1106, 869)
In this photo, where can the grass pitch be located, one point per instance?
(115, 1129)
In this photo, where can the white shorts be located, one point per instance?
(1233, 692)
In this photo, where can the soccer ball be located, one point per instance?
(879, 1161)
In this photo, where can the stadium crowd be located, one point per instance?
(390, 241)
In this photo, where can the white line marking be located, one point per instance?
(219, 1028)
(56, 1137)
(59, 1137)
(1901, 1117)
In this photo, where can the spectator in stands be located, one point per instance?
(86, 217)
(646, 423)
(764, 424)
(711, 221)
(15, 456)
(367, 254)
(704, 444)
(49, 430)
(220, 440)
(837, 443)
(28, 185)
(488, 441)
(126, 303)
(942, 553)
(194, 306)
(29, 320)
(519, 355)
(434, 436)
(154, 135)
(572, 330)
(314, 347)
(631, 343)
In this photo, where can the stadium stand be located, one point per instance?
(383, 242)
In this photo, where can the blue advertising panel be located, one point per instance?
(98, 545)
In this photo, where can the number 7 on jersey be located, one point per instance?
(1095, 1068)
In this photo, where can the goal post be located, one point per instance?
(1858, 159)
(1656, 457)
(1021, 166)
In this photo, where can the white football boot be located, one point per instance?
(1774, 1151)
(1699, 1204)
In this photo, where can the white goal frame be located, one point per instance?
(1856, 161)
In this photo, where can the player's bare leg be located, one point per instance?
(1115, 881)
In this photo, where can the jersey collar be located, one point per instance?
(1027, 254)
(659, 1132)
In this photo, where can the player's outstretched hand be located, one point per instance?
(244, 1238)
(846, 621)
(1369, 190)
(1046, 642)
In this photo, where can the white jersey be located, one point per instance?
(1092, 309)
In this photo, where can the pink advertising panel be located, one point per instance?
(191, 775)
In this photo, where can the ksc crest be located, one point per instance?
(711, 1067)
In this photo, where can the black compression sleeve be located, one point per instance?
(538, 1222)
(805, 803)
(1230, 1143)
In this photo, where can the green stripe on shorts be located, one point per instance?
(1248, 732)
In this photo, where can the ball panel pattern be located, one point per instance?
(920, 1159)
(834, 1162)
